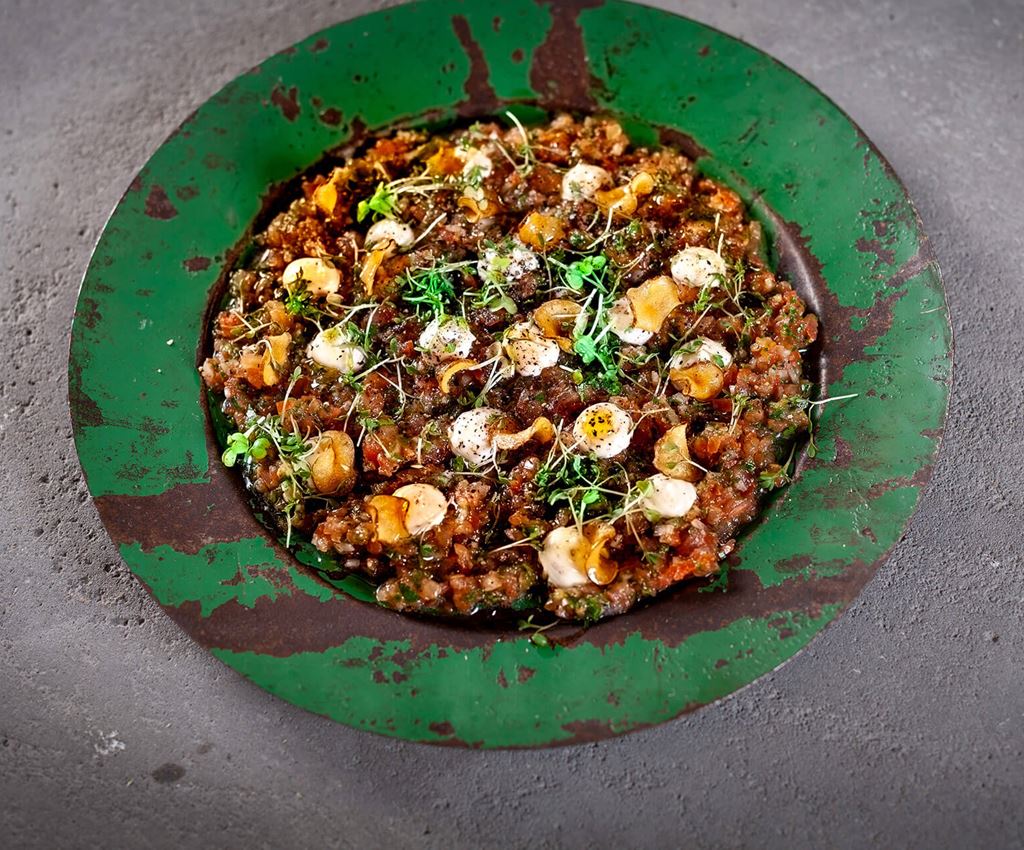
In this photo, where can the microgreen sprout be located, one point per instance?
(429, 290)
(580, 483)
(703, 302)
(800, 403)
(250, 329)
(254, 443)
(739, 404)
(536, 630)
(497, 364)
(596, 345)
(492, 294)
(299, 300)
(242, 446)
(529, 540)
(779, 477)
(774, 480)
(382, 204)
(525, 151)
(589, 272)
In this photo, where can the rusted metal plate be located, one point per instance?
(843, 230)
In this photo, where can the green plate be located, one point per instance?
(843, 229)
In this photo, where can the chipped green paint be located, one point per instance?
(633, 683)
(837, 217)
(245, 571)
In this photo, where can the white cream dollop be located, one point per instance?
(583, 180)
(529, 350)
(668, 497)
(475, 162)
(620, 319)
(707, 351)
(387, 228)
(472, 435)
(447, 337)
(604, 429)
(563, 557)
(427, 507)
(697, 267)
(507, 265)
(318, 276)
(334, 348)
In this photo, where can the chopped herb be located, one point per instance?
(592, 609)
(382, 204)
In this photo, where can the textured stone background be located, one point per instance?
(902, 726)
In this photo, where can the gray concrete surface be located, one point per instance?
(903, 726)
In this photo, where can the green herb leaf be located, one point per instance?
(537, 636)
(773, 480)
(586, 272)
(382, 204)
(430, 291)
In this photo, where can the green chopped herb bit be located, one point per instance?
(382, 204)
(299, 301)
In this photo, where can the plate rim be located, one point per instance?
(924, 248)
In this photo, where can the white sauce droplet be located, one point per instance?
(387, 228)
(697, 267)
(472, 435)
(564, 556)
(319, 276)
(447, 338)
(582, 181)
(529, 350)
(668, 497)
(333, 348)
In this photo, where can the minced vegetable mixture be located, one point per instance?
(512, 368)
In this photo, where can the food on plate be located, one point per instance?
(510, 368)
